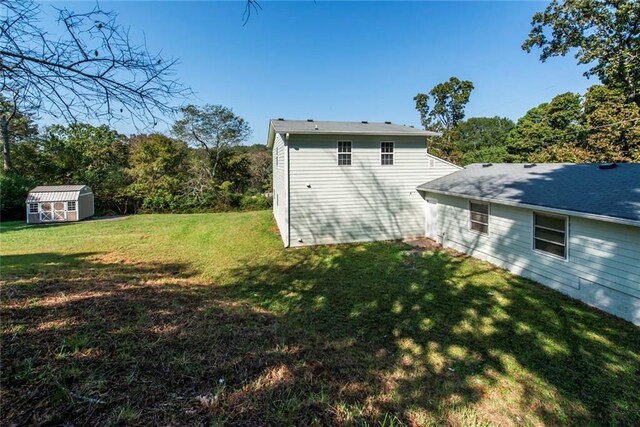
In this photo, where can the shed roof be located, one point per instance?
(56, 193)
(579, 189)
(52, 188)
(305, 127)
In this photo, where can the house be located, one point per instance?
(572, 227)
(59, 203)
(338, 182)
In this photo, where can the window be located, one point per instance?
(344, 153)
(550, 234)
(71, 206)
(277, 156)
(33, 208)
(479, 217)
(386, 153)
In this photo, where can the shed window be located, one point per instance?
(479, 217)
(386, 153)
(33, 208)
(550, 234)
(344, 153)
(71, 206)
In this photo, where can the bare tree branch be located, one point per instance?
(92, 71)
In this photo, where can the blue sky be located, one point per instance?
(348, 60)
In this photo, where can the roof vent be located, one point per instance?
(387, 123)
(608, 165)
(316, 127)
(309, 120)
(364, 121)
(529, 165)
(411, 126)
(486, 165)
(280, 119)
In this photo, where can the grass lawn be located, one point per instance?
(206, 319)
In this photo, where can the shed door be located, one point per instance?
(431, 218)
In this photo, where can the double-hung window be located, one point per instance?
(386, 153)
(33, 208)
(479, 217)
(550, 234)
(344, 153)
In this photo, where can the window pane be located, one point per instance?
(482, 228)
(386, 147)
(551, 248)
(344, 159)
(480, 217)
(387, 159)
(344, 146)
(479, 207)
(550, 222)
(554, 236)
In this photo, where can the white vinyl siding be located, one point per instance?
(280, 190)
(363, 202)
(603, 265)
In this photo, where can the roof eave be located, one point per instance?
(320, 132)
(586, 215)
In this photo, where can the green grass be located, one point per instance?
(192, 319)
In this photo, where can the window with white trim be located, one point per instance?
(277, 156)
(386, 153)
(344, 153)
(71, 206)
(550, 234)
(479, 217)
(33, 208)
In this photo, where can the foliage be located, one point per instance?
(96, 156)
(213, 128)
(604, 33)
(557, 123)
(206, 320)
(449, 100)
(478, 139)
(613, 126)
(88, 69)
(158, 169)
(13, 193)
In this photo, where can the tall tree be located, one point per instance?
(548, 126)
(91, 70)
(613, 126)
(214, 129)
(449, 101)
(604, 34)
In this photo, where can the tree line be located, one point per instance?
(201, 166)
(602, 125)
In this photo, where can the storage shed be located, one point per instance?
(59, 203)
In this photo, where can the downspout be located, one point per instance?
(287, 186)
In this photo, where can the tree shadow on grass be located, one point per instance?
(348, 334)
(446, 338)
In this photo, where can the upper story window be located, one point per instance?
(550, 234)
(344, 153)
(479, 217)
(386, 153)
(33, 208)
(71, 206)
(276, 156)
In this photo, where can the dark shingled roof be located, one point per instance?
(582, 188)
(346, 128)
